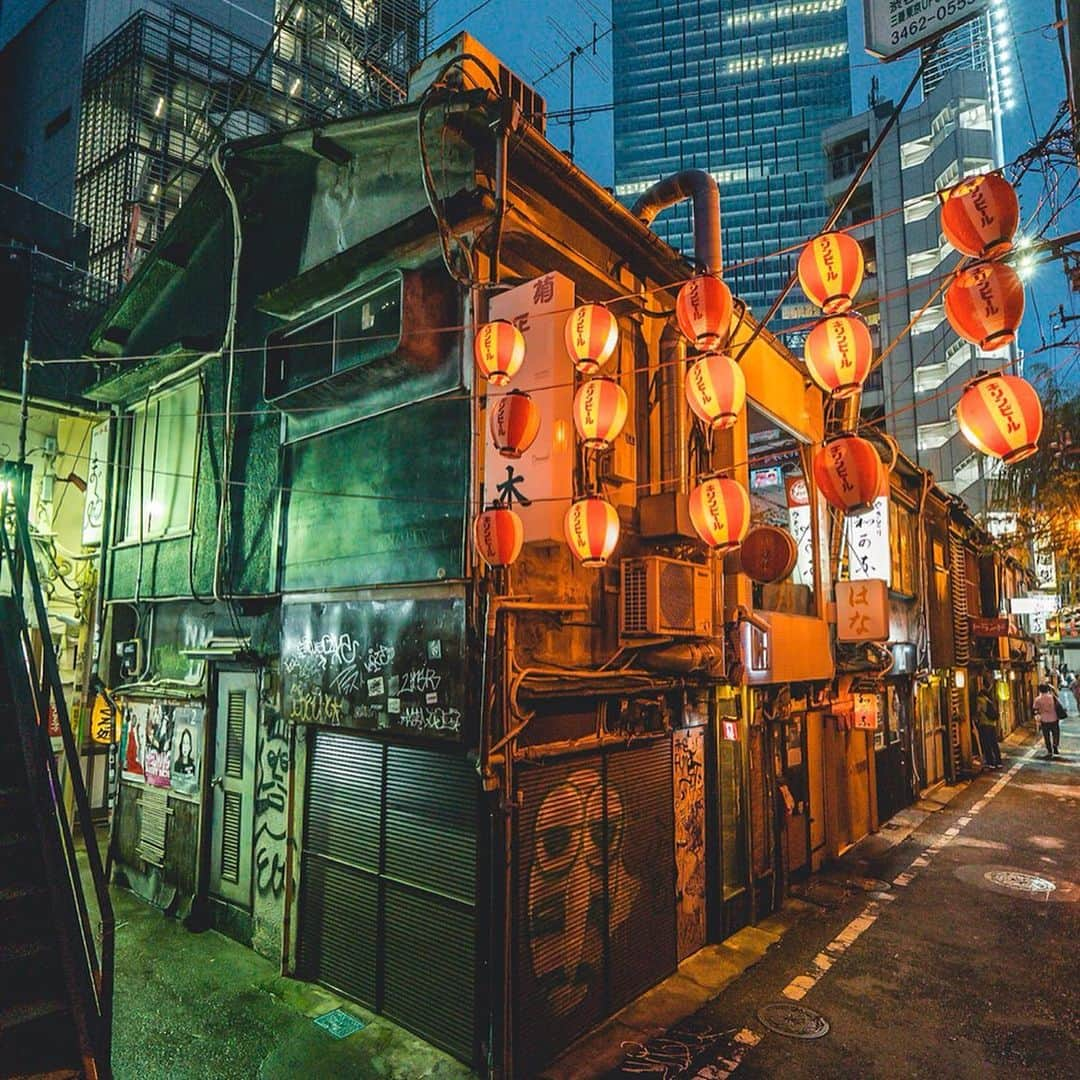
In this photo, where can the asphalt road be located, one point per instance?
(954, 954)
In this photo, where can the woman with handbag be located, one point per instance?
(1049, 712)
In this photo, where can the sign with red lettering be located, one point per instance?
(862, 610)
(992, 627)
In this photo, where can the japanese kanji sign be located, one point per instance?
(894, 27)
(866, 711)
(862, 610)
(866, 538)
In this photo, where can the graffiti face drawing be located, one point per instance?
(566, 909)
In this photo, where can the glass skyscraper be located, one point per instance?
(743, 89)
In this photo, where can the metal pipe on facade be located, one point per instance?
(705, 657)
(698, 186)
(674, 433)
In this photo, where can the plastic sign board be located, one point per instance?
(104, 723)
(730, 730)
(895, 27)
(995, 626)
(862, 610)
(1045, 568)
(1030, 605)
(866, 537)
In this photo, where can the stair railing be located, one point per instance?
(18, 557)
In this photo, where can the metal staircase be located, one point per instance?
(56, 935)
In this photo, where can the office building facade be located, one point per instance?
(950, 135)
(743, 91)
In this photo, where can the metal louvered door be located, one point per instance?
(233, 783)
(595, 898)
(388, 883)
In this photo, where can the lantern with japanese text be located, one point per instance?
(498, 534)
(985, 304)
(831, 271)
(849, 473)
(716, 390)
(703, 309)
(592, 335)
(720, 513)
(515, 423)
(1001, 415)
(979, 216)
(600, 410)
(499, 348)
(839, 353)
(592, 530)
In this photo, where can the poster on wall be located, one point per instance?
(186, 766)
(159, 729)
(134, 767)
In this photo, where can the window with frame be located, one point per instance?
(163, 441)
(904, 547)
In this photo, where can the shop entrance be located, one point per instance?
(930, 716)
(892, 741)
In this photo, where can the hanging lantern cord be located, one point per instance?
(927, 55)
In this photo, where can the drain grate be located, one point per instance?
(339, 1023)
(795, 1021)
(1019, 881)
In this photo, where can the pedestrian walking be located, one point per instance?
(986, 717)
(1049, 713)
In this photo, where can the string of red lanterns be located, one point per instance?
(849, 473)
(498, 533)
(514, 424)
(716, 390)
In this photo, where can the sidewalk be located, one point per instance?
(201, 1007)
(706, 974)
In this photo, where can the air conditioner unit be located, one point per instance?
(665, 598)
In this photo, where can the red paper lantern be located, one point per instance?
(1002, 416)
(716, 390)
(703, 310)
(514, 424)
(592, 530)
(839, 353)
(979, 216)
(499, 348)
(985, 304)
(498, 534)
(600, 410)
(720, 512)
(592, 335)
(849, 473)
(831, 271)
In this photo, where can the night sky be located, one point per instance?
(532, 38)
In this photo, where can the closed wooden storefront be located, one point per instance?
(387, 905)
(595, 919)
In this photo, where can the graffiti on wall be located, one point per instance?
(688, 761)
(271, 793)
(566, 896)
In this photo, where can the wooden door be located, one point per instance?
(688, 761)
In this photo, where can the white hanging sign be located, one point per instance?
(895, 27)
(866, 539)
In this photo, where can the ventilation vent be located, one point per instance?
(230, 837)
(635, 608)
(958, 573)
(153, 819)
(234, 734)
(677, 596)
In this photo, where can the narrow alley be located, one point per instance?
(950, 953)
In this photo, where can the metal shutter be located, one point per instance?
(430, 896)
(641, 870)
(388, 883)
(595, 894)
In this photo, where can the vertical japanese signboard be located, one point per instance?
(895, 27)
(866, 540)
(540, 482)
(800, 523)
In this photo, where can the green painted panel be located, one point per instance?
(380, 501)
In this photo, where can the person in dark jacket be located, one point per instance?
(986, 716)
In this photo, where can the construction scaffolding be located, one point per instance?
(166, 86)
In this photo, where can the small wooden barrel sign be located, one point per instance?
(768, 554)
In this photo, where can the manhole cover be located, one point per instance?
(795, 1021)
(1021, 882)
(339, 1023)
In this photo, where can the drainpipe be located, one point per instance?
(698, 186)
(674, 435)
